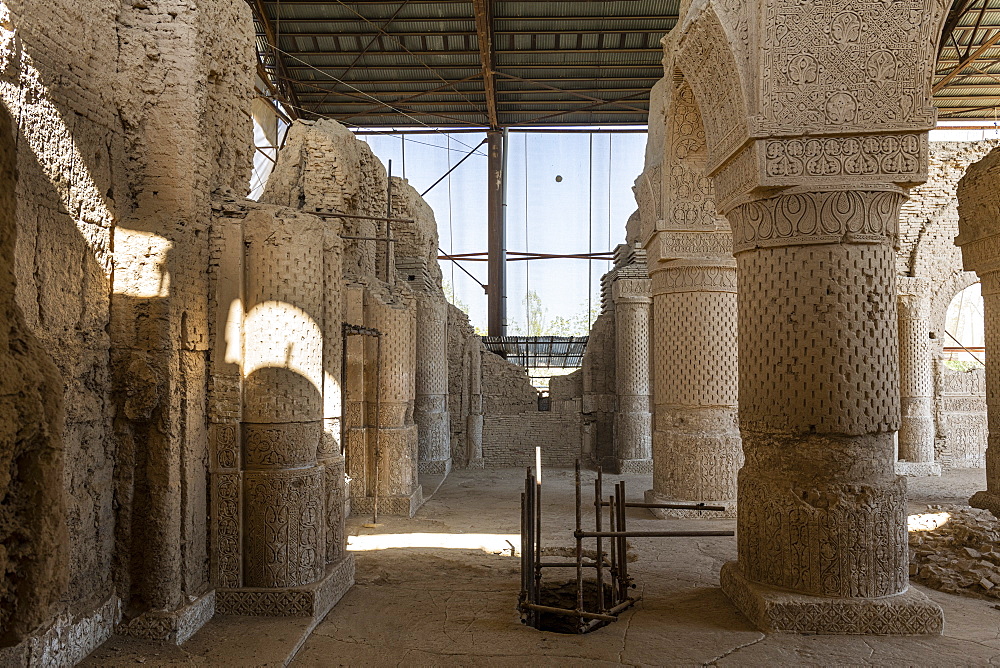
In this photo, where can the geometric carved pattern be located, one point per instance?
(824, 539)
(895, 155)
(694, 350)
(227, 558)
(780, 611)
(818, 339)
(845, 66)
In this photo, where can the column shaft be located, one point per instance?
(916, 382)
(696, 443)
(431, 405)
(633, 419)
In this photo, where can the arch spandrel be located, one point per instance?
(835, 94)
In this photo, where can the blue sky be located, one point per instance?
(583, 212)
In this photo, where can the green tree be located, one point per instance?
(539, 323)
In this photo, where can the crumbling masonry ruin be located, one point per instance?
(197, 390)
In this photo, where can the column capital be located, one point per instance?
(799, 218)
(632, 290)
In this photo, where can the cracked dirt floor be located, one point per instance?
(456, 606)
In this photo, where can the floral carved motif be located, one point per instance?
(846, 66)
(816, 218)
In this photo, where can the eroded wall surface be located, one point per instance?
(128, 116)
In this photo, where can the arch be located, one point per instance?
(705, 57)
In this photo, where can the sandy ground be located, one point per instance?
(453, 604)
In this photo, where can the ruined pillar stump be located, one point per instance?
(383, 453)
(916, 381)
(822, 515)
(279, 498)
(989, 499)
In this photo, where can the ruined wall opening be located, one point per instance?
(965, 348)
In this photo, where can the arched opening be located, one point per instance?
(965, 345)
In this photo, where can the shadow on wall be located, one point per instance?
(66, 231)
(32, 502)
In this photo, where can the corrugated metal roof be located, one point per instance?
(412, 62)
(409, 62)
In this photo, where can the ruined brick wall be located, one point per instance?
(598, 389)
(129, 116)
(928, 225)
(510, 440)
(506, 388)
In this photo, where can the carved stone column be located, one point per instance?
(916, 381)
(979, 237)
(696, 441)
(990, 498)
(431, 405)
(390, 454)
(474, 421)
(284, 488)
(822, 515)
(633, 420)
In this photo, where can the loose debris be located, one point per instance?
(961, 556)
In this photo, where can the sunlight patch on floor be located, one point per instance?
(926, 521)
(492, 543)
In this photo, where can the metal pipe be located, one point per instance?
(676, 506)
(624, 605)
(569, 613)
(652, 534)
(538, 537)
(614, 552)
(567, 564)
(383, 239)
(598, 492)
(496, 237)
(579, 543)
(335, 214)
(622, 544)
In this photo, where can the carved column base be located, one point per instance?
(781, 611)
(433, 433)
(402, 506)
(70, 638)
(668, 514)
(477, 464)
(987, 501)
(918, 469)
(435, 467)
(174, 627)
(312, 600)
(644, 466)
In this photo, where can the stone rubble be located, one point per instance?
(961, 556)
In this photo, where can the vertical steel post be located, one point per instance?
(497, 236)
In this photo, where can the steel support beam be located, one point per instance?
(484, 35)
(496, 288)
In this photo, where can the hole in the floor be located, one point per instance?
(563, 595)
